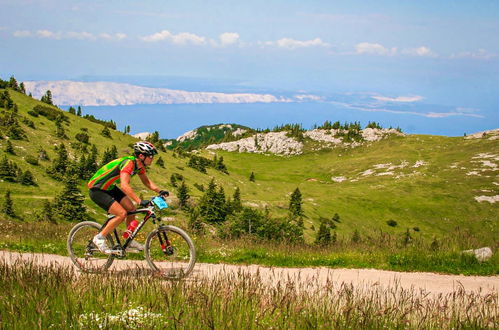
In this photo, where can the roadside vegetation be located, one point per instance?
(46, 297)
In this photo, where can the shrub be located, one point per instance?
(82, 137)
(391, 223)
(199, 187)
(31, 160)
(416, 229)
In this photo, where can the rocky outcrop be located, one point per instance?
(279, 143)
(274, 142)
(332, 135)
(489, 135)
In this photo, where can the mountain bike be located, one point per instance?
(168, 250)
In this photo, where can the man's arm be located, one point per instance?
(148, 183)
(126, 188)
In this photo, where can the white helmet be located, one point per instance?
(145, 148)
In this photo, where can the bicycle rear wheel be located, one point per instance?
(170, 251)
(83, 252)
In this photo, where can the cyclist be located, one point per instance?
(105, 192)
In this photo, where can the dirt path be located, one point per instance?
(306, 277)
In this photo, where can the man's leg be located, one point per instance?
(129, 207)
(120, 213)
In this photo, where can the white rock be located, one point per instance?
(338, 178)
(491, 135)
(273, 142)
(187, 135)
(490, 199)
(482, 254)
(142, 136)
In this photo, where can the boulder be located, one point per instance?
(482, 254)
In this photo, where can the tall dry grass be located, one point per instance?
(35, 296)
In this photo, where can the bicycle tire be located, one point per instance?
(81, 250)
(183, 258)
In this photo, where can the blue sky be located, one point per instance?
(442, 53)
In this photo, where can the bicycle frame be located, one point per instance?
(150, 214)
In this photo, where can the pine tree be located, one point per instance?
(60, 132)
(27, 179)
(78, 112)
(69, 202)
(252, 177)
(236, 204)
(72, 110)
(213, 205)
(323, 235)
(106, 132)
(7, 172)
(220, 166)
(8, 205)
(109, 155)
(47, 213)
(61, 162)
(22, 88)
(295, 204)
(47, 98)
(91, 165)
(13, 83)
(183, 195)
(9, 148)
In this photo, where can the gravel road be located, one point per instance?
(431, 283)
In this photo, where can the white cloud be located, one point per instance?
(403, 99)
(292, 43)
(22, 34)
(68, 35)
(48, 34)
(480, 54)
(120, 36)
(165, 34)
(375, 49)
(188, 38)
(79, 35)
(420, 51)
(229, 38)
(178, 39)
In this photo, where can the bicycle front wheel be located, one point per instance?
(83, 252)
(170, 251)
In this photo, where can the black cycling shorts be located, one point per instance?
(106, 198)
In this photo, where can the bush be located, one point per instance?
(253, 222)
(31, 160)
(50, 113)
(391, 223)
(82, 137)
(199, 187)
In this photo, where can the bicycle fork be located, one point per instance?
(166, 245)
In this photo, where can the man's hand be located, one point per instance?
(164, 193)
(145, 203)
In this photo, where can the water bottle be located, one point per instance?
(130, 229)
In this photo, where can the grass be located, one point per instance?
(50, 297)
(380, 251)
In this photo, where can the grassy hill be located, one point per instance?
(427, 184)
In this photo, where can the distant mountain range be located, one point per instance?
(67, 92)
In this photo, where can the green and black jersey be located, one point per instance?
(108, 176)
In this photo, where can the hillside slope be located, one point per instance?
(438, 185)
